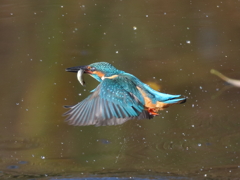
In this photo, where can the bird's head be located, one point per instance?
(98, 70)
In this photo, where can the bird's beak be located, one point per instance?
(77, 68)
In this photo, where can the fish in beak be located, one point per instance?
(80, 70)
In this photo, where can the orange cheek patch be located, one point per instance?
(100, 74)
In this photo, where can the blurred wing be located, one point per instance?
(110, 104)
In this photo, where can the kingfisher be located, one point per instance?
(119, 97)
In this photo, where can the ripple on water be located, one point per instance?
(9, 144)
(170, 145)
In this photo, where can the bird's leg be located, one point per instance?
(152, 112)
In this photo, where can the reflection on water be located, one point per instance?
(13, 144)
(172, 45)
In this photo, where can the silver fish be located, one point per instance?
(80, 77)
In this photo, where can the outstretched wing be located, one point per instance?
(113, 102)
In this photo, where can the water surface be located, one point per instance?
(172, 45)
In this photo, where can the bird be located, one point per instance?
(119, 97)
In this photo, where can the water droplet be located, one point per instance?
(146, 15)
(61, 6)
(116, 52)
(199, 144)
(134, 28)
(43, 157)
(17, 104)
(11, 14)
(165, 13)
(200, 87)
(188, 42)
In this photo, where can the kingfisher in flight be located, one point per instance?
(119, 97)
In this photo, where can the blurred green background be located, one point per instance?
(169, 44)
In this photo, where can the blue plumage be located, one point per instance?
(119, 97)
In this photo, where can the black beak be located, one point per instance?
(76, 69)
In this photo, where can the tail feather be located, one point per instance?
(176, 101)
(165, 97)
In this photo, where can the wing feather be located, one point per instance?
(110, 104)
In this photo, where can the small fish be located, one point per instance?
(80, 77)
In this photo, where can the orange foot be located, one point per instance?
(152, 112)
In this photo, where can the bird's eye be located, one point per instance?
(93, 69)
